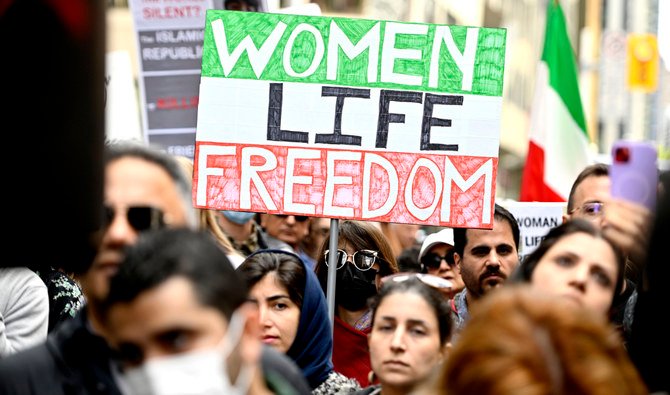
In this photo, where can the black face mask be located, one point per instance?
(354, 287)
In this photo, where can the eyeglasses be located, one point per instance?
(298, 218)
(590, 209)
(433, 261)
(141, 218)
(363, 259)
(428, 279)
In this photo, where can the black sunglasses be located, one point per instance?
(363, 259)
(298, 218)
(433, 261)
(141, 218)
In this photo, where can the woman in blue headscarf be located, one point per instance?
(294, 316)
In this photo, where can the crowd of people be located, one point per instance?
(165, 298)
(174, 304)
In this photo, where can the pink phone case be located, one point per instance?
(634, 172)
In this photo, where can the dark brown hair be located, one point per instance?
(595, 170)
(359, 235)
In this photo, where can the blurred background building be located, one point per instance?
(624, 83)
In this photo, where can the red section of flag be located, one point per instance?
(533, 187)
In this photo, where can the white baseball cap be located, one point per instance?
(445, 236)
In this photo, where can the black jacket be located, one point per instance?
(72, 361)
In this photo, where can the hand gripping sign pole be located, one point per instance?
(332, 269)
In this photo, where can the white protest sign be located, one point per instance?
(535, 219)
(349, 118)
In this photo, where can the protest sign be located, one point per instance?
(169, 39)
(349, 118)
(535, 219)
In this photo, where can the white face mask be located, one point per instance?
(201, 372)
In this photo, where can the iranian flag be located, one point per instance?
(558, 148)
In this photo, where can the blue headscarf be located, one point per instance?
(312, 348)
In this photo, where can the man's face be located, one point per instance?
(163, 321)
(129, 182)
(290, 229)
(488, 258)
(594, 189)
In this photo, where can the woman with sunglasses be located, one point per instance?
(294, 316)
(363, 258)
(411, 326)
(437, 258)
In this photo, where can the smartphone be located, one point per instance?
(634, 172)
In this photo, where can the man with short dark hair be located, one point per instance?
(485, 258)
(177, 315)
(144, 189)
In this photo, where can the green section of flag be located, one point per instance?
(560, 59)
(488, 68)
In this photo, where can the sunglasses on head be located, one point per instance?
(363, 259)
(298, 218)
(433, 261)
(141, 218)
(428, 279)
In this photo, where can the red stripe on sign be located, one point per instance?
(432, 189)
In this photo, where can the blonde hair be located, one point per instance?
(207, 218)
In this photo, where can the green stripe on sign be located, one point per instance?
(354, 52)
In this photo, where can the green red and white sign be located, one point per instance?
(349, 118)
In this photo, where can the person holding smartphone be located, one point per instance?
(624, 221)
(628, 223)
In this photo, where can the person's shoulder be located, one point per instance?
(371, 390)
(274, 243)
(236, 259)
(33, 370)
(281, 374)
(21, 277)
(337, 383)
(459, 304)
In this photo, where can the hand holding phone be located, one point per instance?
(634, 172)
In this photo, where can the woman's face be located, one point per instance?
(581, 268)
(279, 315)
(404, 341)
